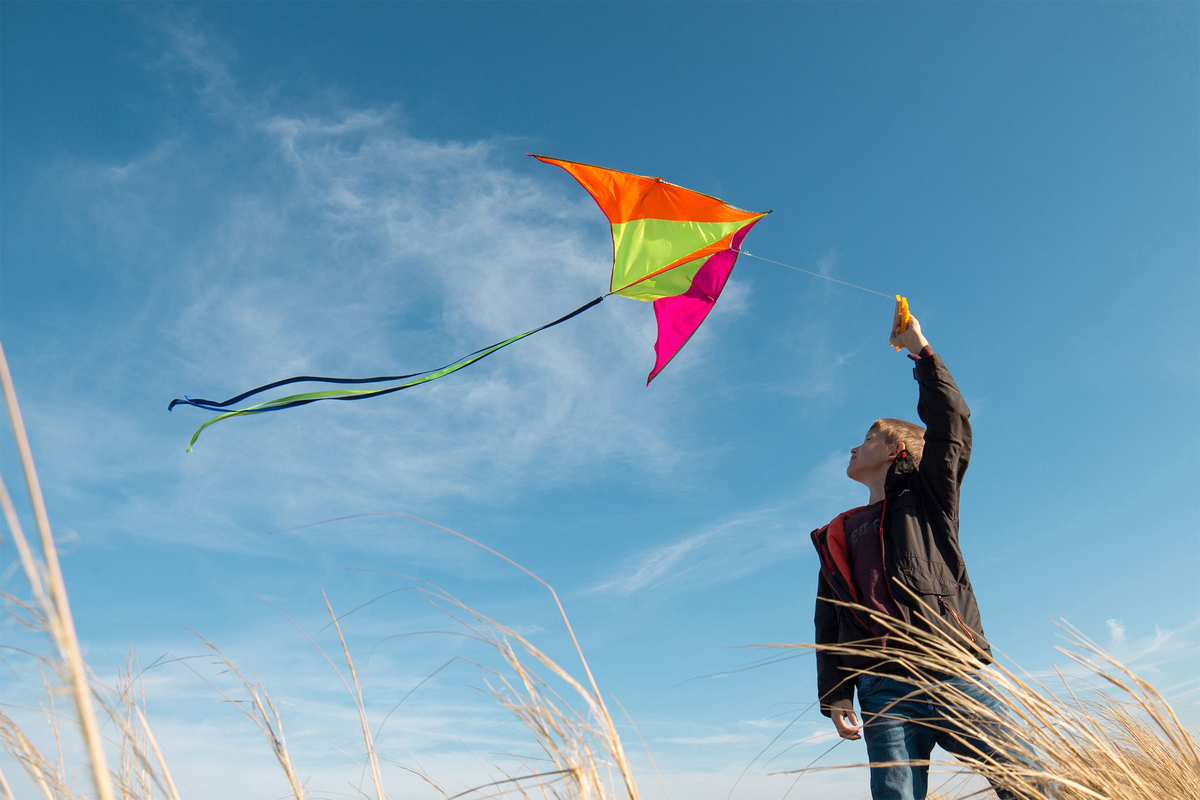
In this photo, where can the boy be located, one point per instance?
(907, 534)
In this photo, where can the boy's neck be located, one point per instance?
(875, 487)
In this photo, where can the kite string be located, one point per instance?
(818, 275)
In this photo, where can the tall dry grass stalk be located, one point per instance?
(260, 710)
(1105, 734)
(50, 591)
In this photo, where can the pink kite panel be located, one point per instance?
(679, 316)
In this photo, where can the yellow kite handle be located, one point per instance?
(902, 319)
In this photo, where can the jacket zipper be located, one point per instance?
(954, 614)
(883, 560)
(833, 585)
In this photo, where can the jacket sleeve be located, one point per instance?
(947, 432)
(833, 682)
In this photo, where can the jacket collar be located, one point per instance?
(833, 551)
(901, 470)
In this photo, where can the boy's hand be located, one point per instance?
(844, 718)
(911, 338)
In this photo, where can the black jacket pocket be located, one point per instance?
(927, 577)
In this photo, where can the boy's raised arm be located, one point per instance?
(946, 417)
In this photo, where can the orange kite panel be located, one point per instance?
(624, 197)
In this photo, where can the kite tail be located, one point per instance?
(292, 401)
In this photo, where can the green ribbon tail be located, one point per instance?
(359, 394)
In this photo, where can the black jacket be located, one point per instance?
(919, 532)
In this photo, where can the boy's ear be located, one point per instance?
(897, 450)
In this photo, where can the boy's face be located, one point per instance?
(871, 458)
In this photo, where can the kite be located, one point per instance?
(672, 247)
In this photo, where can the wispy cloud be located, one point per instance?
(1165, 657)
(663, 563)
(827, 262)
(722, 738)
(1152, 654)
(1116, 632)
(737, 547)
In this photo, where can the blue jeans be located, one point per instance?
(898, 729)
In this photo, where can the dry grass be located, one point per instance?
(1103, 734)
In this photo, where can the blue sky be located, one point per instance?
(202, 198)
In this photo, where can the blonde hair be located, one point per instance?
(897, 430)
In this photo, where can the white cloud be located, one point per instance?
(722, 738)
(1165, 659)
(761, 723)
(828, 261)
(1116, 632)
(740, 546)
(653, 567)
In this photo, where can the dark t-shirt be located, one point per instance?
(865, 545)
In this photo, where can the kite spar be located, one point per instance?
(671, 246)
